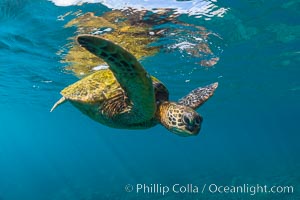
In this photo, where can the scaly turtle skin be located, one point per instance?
(126, 96)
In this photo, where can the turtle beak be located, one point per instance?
(194, 129)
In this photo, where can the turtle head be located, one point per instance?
(179, 119)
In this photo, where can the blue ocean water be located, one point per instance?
(250, 133)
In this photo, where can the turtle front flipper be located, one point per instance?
(198, 96)
(132, 77)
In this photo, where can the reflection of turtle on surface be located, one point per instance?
(126, 96)
(133, 30)
(114, 27)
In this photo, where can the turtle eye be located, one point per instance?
(198, 120)
(186, 119)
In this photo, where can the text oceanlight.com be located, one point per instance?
(251, 189)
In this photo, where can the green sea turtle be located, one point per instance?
(126, 96)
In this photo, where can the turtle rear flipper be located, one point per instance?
(198, 96)
(132, 77)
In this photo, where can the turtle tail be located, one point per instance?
(60, 101)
